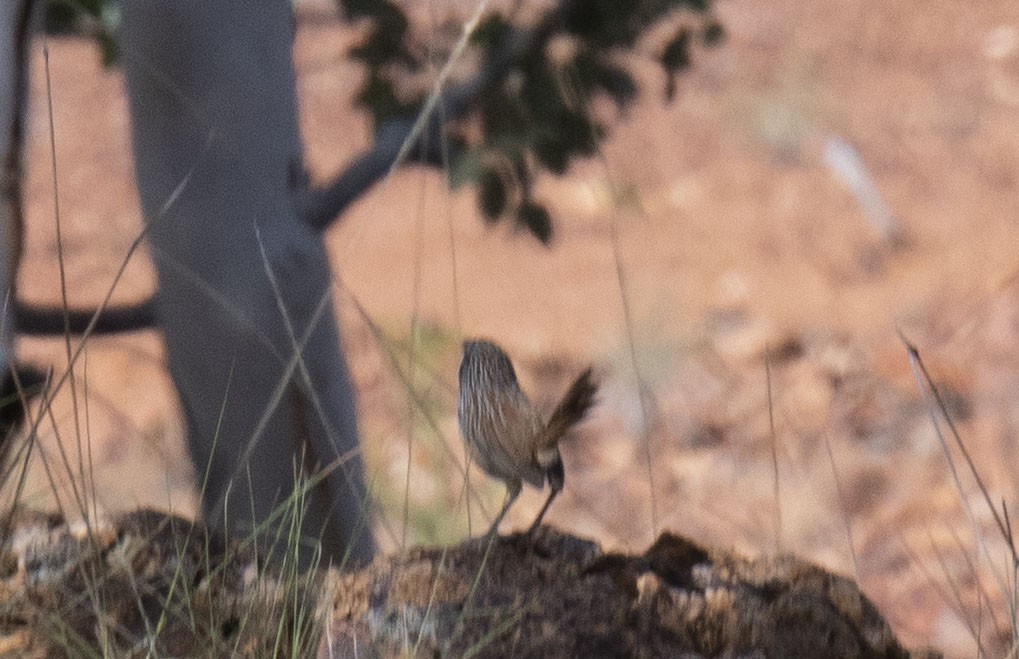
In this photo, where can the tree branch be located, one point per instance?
(32, 320)
(320, 207)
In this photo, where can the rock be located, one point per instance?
(554, 595)
(151, 584)
(143, 584)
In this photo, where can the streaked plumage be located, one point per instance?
(504, 432)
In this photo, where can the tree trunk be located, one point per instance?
(15, 29)
(218, 153)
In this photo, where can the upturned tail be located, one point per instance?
(570, 411)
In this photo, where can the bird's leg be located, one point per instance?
(556, 479)
(512, 492)
(548, 502)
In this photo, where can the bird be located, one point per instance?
(504, 432)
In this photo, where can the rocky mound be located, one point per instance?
(149, 584)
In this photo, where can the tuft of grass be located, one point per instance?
(999, 560)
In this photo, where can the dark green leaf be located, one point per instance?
(465, 168)
(536, 219)
(60, 18)
(492, 194)
(541, 93)
(577, 133)
(675, 57)
(379, 98)
(109, 51)
(355, 9)
(552, 155)
(490, 31)
(713, 33)
(385, 42)
(504, 121)
(676, 54)
(597, 74)
(604, 23)
(618, 84)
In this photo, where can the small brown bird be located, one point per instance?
(502, 429)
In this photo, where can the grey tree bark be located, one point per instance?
(16, 18)
(262, 379)
(12, 74)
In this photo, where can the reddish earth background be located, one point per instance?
(718, 223)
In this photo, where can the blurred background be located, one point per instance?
(737, 264)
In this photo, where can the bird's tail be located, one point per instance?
(571, 409)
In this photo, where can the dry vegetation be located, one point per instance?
(718, 222)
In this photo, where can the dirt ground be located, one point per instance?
(712, 232)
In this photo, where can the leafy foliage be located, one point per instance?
(537, 82)
(532, 90)
(98, 18)
(491, 193)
